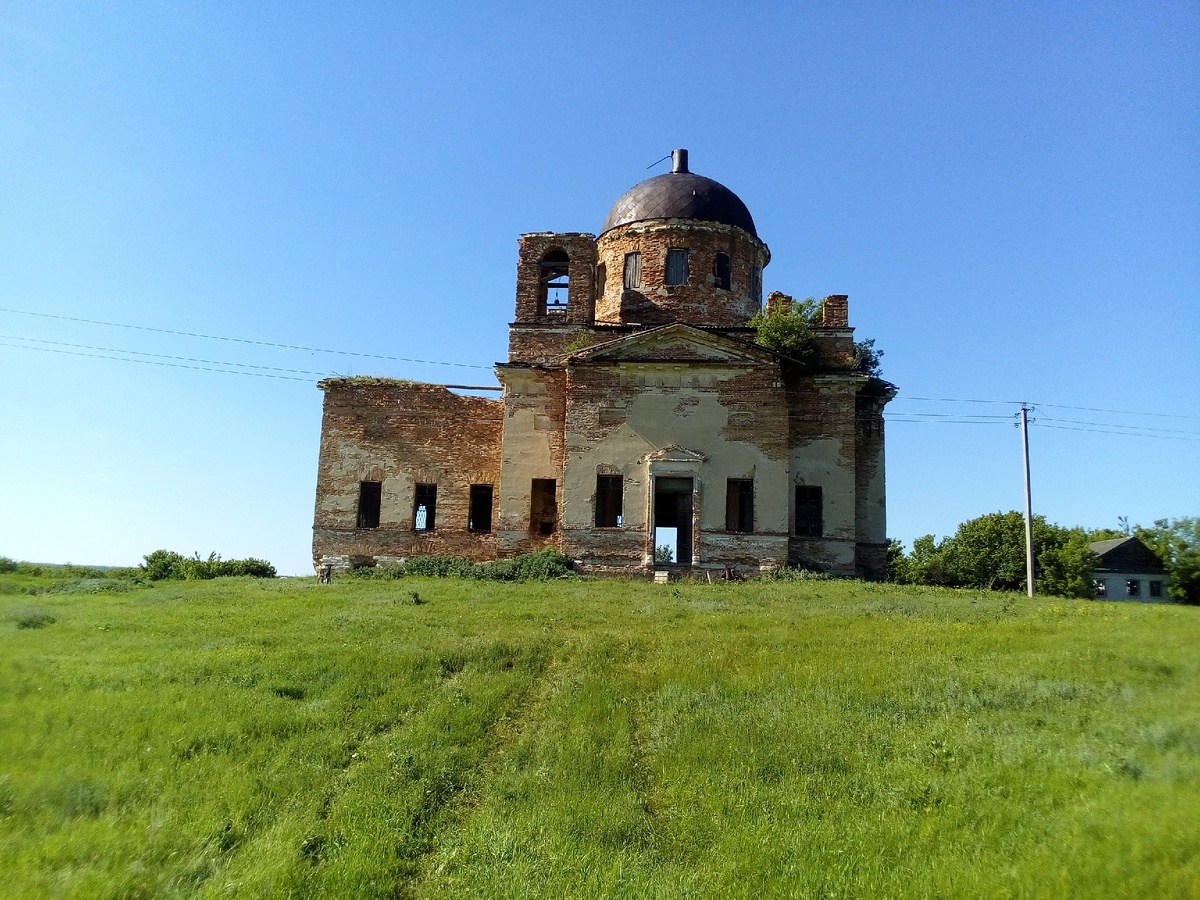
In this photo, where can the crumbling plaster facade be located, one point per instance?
(639, 407)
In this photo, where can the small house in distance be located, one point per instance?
(1128, 570)
(637, 413)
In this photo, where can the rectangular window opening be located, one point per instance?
(677, 267)
(809, 511)
(739, 505)
(1156, 589)
(1101, 587)
(370, 494)
(424, 507)
(1133, 588)
(543, 507)
(609, 489)
(633, 270)
(479, 514)
(722, 271)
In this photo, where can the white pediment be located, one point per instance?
(675, 454)
(676, 343)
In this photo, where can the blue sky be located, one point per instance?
(1009, 193)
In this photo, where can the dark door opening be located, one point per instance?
(673, 521)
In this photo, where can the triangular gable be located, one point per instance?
(676, 454)
(675, 343)
(1125, 555)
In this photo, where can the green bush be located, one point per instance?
(34, 618)
(540, 566)
(794, 573)
(162, 565)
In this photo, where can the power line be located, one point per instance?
(151, 362)
(217, 337)
(180, 365)
(947, 421)
(1115, 425)
(214, 362)
(1137, 434)
(1119, 412)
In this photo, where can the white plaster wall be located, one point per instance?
(656, 419)
(829, 464)
(1116, 586)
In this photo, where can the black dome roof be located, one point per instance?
(680, 195)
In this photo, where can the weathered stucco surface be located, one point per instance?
(658, 381)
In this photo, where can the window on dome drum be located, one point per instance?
(369, 496)
(633, 270)
(739, 505)
(543, 507)
(555, 281)
(479, 513)
(721, 271)
(677, 267)
(601, 277)
(1156, 589)
(756, 284)
(809, 511)
(1133, 588)
(608, 501)
(424, 507)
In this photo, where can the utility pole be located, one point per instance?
(1028, 504)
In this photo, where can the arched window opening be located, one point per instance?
(555, 281)
(721, 271)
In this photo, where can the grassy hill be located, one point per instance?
(251, 738)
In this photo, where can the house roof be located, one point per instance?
(1126, 554)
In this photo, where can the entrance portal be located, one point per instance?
(673, 519)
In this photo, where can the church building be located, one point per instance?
(640, 427)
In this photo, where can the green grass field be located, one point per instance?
(249, 738)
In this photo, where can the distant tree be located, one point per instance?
(988, 552)
(1177, 543)
(664, 554)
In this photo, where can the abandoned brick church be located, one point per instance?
(637, 412)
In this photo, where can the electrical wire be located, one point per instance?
(213, 362)
(235, 368)
(217, 337)
(1119, 412)
(151, 362)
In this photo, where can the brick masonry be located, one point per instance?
(661, 382)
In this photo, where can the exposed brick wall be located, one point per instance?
(566, 416)
(699, 301)
(534, 412)
(581, 301)
(401, 434)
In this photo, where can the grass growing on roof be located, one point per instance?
(250, 738)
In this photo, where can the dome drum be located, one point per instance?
(673, 270)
